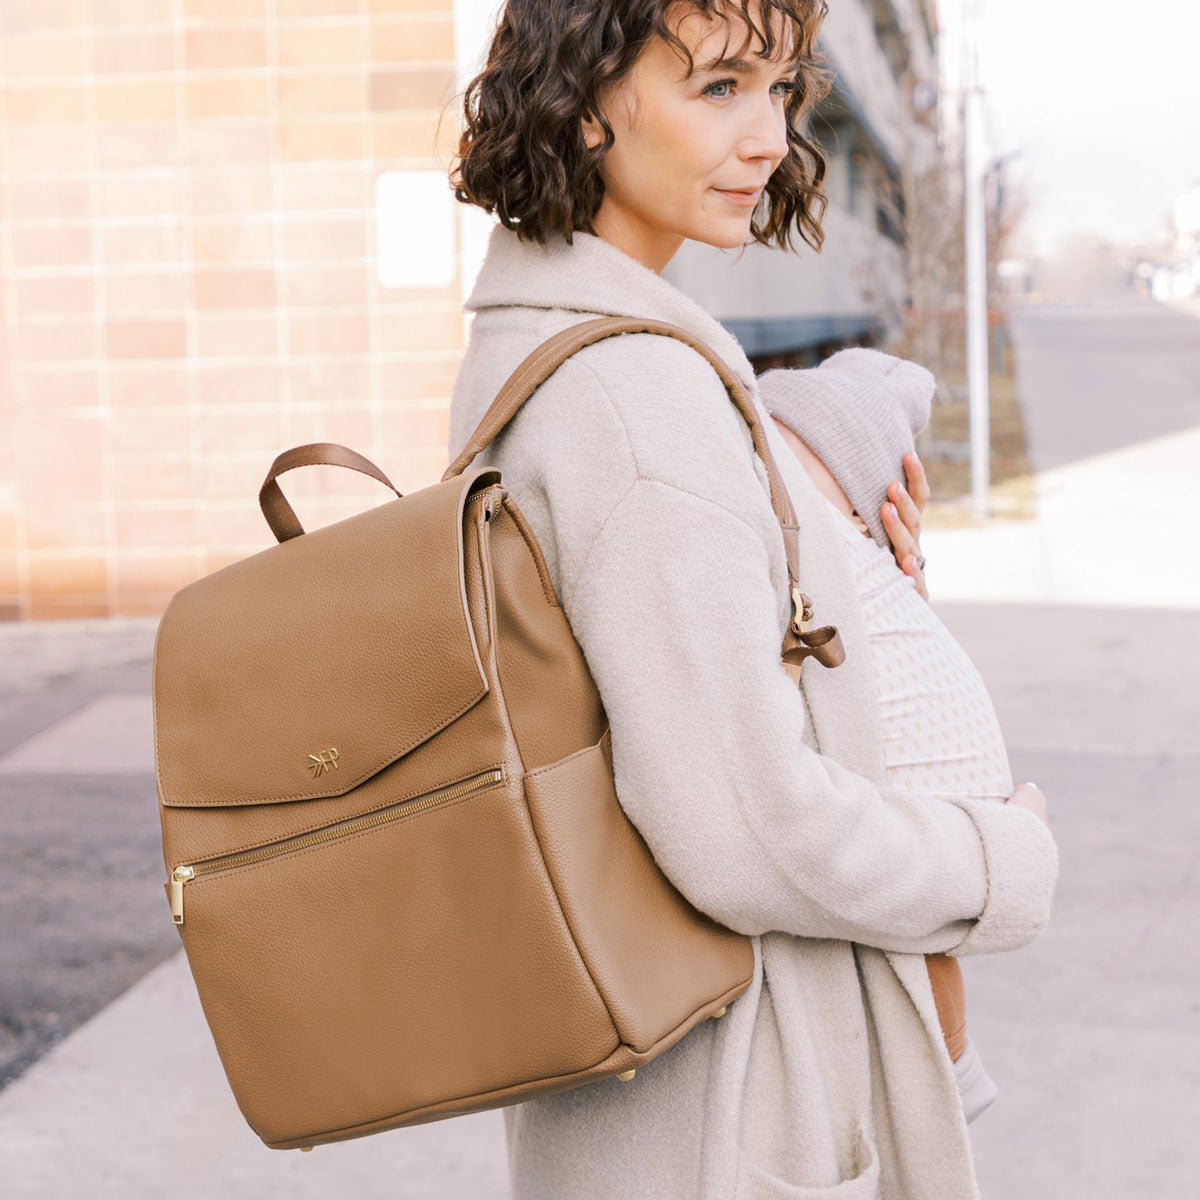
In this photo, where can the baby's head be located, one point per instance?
(859, 412)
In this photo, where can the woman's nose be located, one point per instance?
(767, 133)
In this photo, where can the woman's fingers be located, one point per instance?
(901, 536)
(907, 506)
(918, 484)
(901, 516)
(911, 568)
(904, 542)
(1030, 796)
(918, 493)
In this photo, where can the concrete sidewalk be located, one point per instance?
(1085, 626)
(1111, 401)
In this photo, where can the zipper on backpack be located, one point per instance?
(186, 871)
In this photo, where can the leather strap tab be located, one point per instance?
(279, 513)
(823, 644)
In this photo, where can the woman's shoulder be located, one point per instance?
(624, 408)
(649, 399)
(567, 424)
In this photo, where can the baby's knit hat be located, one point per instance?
(859, 412)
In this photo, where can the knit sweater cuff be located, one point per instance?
(1021, 858)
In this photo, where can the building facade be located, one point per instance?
(225, 230)
(795, 309)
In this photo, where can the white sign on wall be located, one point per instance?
(414, 230)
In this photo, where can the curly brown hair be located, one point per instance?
(522, 154)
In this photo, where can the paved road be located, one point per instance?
(1086, 626)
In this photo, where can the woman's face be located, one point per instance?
(678, 141)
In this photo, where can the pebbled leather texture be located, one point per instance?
(381, 752)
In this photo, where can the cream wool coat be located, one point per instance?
(764, 804)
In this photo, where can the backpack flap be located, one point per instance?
(302, 670)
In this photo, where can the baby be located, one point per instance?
(850, 422)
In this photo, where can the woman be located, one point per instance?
(764, 804)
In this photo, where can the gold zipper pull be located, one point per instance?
(174, 887)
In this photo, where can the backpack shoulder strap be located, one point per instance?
(541, 362)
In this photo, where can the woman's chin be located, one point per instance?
(724, 235)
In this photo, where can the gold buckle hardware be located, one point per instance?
(802, 610)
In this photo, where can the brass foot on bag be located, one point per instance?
(720, 1011)
(305, 1147)
(626, 1076)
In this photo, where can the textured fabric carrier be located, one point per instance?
(405, 890)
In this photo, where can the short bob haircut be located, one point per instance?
(522, 152)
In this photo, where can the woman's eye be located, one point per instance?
(787, 85)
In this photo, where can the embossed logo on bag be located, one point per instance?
(323, 761)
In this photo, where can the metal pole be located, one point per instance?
(975, 283)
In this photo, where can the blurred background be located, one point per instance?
(226, 229)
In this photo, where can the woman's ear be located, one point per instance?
(593, 135)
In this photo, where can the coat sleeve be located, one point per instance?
(674, 609)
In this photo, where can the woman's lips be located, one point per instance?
(742, 199)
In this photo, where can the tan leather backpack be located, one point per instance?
(401, 873)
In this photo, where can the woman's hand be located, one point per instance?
(901, 516)
(1030, 796)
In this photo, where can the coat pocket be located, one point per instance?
(755, 1182)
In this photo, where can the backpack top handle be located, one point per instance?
(281, 517)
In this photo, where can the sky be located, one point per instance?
(1103, 101)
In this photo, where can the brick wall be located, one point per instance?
(187, 280)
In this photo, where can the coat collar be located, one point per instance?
(593, 276)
